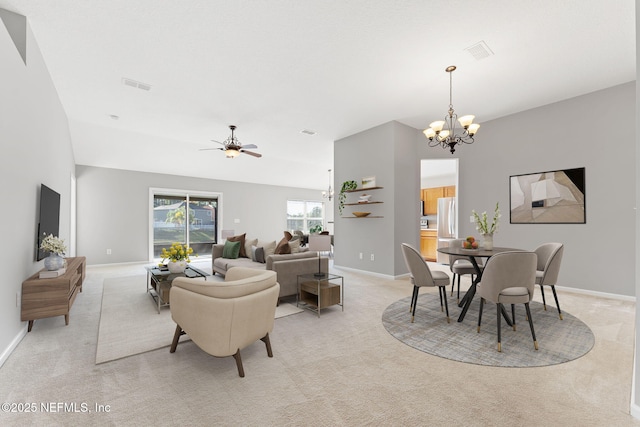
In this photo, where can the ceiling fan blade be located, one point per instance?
(251, 153)
(208, 149)
(250, 146)
(221, 143)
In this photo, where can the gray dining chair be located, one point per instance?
(421, 276)
(549, 259)
(508, 278)
(460, 265)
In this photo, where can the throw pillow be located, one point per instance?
(269, 247)
(240, 238)
(259, 253)
(288, 236)
(294, 245)
(247, 246)
(231, 250)
(283, 247)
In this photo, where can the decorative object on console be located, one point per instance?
(447, 137)
(315, 229)
(319, 243)
(56, 247)
(329, 193)
(178, 256)
(483, 226)
(232, 147)
(346, 186)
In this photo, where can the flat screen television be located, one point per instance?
(49, 220)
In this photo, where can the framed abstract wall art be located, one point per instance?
(554, 197)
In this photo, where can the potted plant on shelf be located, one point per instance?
(346, 186)
(315, 229)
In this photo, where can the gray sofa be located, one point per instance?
(287, 267)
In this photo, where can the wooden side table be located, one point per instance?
(317, 292)
(52, 297)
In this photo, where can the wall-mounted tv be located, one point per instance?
(49, 220)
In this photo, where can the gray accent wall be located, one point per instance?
(595, 131)
(113, 209)
(36, 149)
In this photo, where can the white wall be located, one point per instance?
(113, 209)
(36, 150)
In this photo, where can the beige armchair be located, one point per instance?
(224, 317)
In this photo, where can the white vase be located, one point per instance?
(53, 262)
(177, 266)
(487, 242)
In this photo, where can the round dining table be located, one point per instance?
(472, 254)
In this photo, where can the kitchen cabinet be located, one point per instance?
(429, 244)
(430, 197)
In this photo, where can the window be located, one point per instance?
(303, 215)
(183, 217)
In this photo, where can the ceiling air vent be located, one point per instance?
(307, 132)
(480, 50)
(136, 84)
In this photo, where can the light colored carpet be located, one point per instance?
(340, 369)
(559, 340)
(130, 323)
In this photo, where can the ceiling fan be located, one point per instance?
(232, 147)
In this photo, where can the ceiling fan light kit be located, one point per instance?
(443, 132)
(232, 147)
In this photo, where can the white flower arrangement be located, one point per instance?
(481, 221)
(53, 244)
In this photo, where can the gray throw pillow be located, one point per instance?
(257, 254)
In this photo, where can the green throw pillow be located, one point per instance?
(231, 249)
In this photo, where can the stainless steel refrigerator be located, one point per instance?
(447, 225)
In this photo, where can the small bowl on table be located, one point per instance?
(361, 214)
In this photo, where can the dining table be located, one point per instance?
(472, 254)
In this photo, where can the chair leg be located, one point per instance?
(480, 313)
(414, 297)
(176, 337)
(239, 363)
(453, 283)
(544, 302)
(440, 295)
(499, 321)
(415, 302)
(513, 315)
(458, 299)
(533, 333)
(553, 288)
(265, 339)
(443, 291)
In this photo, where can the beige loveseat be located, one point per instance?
(286, 266)
(224, 317)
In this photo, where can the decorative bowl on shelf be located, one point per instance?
(361, 214)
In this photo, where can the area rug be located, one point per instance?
(559, 340)
(130, 323)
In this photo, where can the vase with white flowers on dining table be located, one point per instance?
(486, 229)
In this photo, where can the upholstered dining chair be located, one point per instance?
(508, 278)
(549, 259)
(421, 276)
(460, 265)
(224, 317)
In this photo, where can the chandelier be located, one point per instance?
(443, 132)
(329, 193)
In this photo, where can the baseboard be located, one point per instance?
(12, 346)
(369, 273)
(597, 293)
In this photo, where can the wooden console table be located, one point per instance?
(52, 297)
